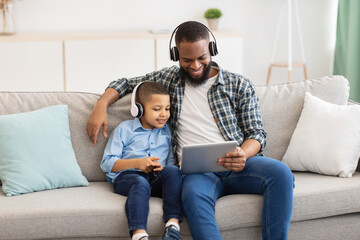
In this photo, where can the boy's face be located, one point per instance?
(156, 111)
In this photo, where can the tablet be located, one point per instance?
(202, 158)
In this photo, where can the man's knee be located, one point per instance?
(284, 171)
(283, 176)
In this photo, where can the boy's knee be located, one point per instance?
(171, 169)
(141, 183)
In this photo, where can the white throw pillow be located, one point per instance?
(326, 139)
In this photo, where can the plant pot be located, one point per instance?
(213, 23)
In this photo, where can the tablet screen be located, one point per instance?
(201, 158)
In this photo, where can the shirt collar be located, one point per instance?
(220, 78)
(136, 124)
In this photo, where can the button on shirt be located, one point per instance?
(130, 140)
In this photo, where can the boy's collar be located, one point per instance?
(136, 124)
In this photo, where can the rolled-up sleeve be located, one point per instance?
(113, 151)
(250, 117)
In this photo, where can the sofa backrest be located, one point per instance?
(281, 106)
(80, 106)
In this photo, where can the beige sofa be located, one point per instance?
(325, 207)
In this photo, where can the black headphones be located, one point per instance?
(174, 53)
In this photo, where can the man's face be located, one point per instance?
(194, 60)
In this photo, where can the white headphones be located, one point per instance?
(137, 109)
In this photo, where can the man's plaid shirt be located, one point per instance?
(232, 100)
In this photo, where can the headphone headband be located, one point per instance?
(174, 53)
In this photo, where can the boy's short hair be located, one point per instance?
(146, 89)
(191, 31)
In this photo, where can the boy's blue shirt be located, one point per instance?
(130, 140)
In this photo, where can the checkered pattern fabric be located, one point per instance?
(232, 98)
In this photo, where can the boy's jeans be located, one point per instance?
(261, 175)
(139, 186)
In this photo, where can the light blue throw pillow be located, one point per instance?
(36, 152)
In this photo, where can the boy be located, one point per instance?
(139, 161)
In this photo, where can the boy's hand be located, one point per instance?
(148, 164)
(156, 165)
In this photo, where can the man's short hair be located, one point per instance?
(191, 31)
(146, 89)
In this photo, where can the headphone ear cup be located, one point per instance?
(213, 48)
(140, 110)
(174, 54)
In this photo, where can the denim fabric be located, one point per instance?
(139, 186)
(261, 175)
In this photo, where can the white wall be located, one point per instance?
(255, 19)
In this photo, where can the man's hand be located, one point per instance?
(234, 161)
(97, 119)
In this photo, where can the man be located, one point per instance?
(210, 104)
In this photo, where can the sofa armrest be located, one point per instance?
(350, 102)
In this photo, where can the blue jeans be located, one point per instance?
(261, 175)
(139, 186)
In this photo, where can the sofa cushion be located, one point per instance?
(96, 211)
(317, 196)
(281, 106)
(326, 139)
(36, 152)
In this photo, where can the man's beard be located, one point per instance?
(198, 81)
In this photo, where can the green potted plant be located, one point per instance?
(212, 16)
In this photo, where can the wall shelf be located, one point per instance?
(89, 61)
